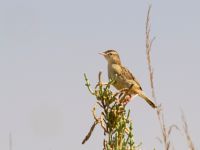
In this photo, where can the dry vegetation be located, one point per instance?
(165, 130)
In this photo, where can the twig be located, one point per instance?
(186, 132)
(90, 132)
(97, 120)
(166, 131)
(88, 84)
(149, 43)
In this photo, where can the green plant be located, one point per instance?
(114, 117)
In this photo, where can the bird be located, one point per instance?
(123, 78)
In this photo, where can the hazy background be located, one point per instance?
(46, 46)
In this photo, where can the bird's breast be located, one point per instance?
(114, 74)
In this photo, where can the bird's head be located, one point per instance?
(111, 56)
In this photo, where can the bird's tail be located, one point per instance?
(148, 100)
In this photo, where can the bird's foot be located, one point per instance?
(122, 92)
(127, 99)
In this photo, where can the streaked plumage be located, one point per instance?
(123, 77)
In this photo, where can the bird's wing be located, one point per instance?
(124, 75)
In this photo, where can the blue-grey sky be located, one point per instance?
(46, 46)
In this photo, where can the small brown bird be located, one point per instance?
(123, 77)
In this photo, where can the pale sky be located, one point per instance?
(46, 46)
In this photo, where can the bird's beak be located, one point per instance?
(102, 53)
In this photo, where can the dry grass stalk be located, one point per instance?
(149, 43)
(186, 132)
(166, 131)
